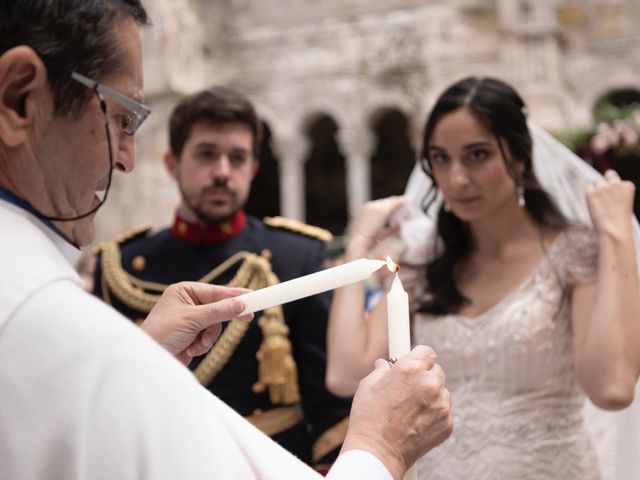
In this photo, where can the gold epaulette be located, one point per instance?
(299, 227)
(115, 279)
(118, 282)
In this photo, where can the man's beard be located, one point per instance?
(205, 218)
(201, 214)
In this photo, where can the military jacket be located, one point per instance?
(303, 416)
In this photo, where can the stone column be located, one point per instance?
(356, 144)
(292, 152)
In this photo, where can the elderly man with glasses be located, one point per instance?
(84, 393)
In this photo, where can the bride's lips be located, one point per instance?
(466, 200)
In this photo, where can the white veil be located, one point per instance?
(565, 178)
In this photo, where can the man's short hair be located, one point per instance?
(76, 34)
(217, 105)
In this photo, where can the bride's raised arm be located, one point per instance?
(356, 337)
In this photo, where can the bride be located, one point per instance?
(528, 294)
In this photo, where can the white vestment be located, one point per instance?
(84, 394)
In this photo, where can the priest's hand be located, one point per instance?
(401, 411)
(187, 318)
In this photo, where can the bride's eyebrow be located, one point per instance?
(477, 144)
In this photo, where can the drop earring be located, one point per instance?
(520, 193)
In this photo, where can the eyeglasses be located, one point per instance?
(138, 112)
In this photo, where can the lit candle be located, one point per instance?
(398, 328)
(308, 285)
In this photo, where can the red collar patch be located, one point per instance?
(197, 233)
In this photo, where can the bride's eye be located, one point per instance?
(478, 155)
(439, 158)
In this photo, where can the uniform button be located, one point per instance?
(226, 228)
(138, 263)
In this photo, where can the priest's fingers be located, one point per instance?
(204, 341)
(204, 316)
(184, 358)
(422, 354)
(201, 293)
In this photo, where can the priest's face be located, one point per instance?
(215, 170)
(65, 159)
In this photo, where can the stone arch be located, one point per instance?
(313, 108)
(393, 155)
(378, 101)
(264, 199)
(592, 85)
(619, 97)
(324, 167)
(274, 119)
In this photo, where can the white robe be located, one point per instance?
(84, 394)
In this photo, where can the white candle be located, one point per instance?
(399, 335)
(398, 319)
(308, 285)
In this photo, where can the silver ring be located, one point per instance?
(391, 360)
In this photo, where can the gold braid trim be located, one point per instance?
(276, 420)
(331, 439)
(277, 369)
(132, 290)
(208, 278)
(105, 290)
(118, 280)
(299, 227)
(253, 274)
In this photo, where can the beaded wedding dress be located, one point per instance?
(517, 405)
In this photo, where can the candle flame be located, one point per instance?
(391, 265)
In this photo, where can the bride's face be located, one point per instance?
(468, 167)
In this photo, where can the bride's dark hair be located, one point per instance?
(499, 108)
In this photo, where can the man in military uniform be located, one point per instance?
(271, 370)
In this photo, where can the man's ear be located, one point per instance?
(171, 164)
(23, 86)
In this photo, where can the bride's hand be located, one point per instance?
(610, 202)
(371, 224)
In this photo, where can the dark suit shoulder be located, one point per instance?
(296, 227)
(130, 236)
(291, 254)
(150, 241)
